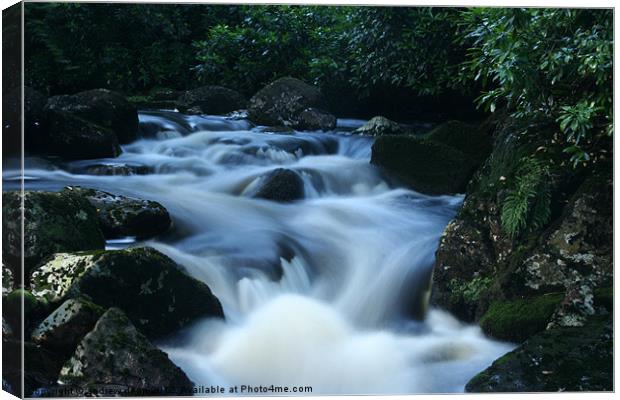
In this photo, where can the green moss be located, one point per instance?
(516, 320)
(470, 291)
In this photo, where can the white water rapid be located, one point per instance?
(322, 292)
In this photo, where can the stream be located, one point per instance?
(330, 291)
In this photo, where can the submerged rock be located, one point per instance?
(73, 137)
(125, 216)
(118, 169)
(283, 185)
(216, 100)
(562, 359)
(151, 288)
(115, 356)
(54, 222)
(102, 107)
(62, 330)
(428, 167)
(379, 126)
(283, 101)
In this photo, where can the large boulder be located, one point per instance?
(563, 359)
(281, 184)
(73, 137)
(152, 289)
(312, 119)
(379, 126)
(53, 222)
(428, 167)
(63, 329)
(114, 356)
(216, 100)
(125, 216)
(474, 140)
(283, 101)
(103, 107)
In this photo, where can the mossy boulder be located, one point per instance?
(428, 167)
(516, 320)
(380, 126)
(62, 330)
(33, 311)
(474, 140)
(54, 222)
(121, 216)
(283, 101)
(73, 137)
(157, 295)
(116, 356)
(216, 100)
(561, 359)
(281, 184)
(102, 107)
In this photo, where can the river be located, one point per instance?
(330, 291)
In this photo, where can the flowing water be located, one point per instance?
(328, 292)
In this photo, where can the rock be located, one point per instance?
(102, 107)
(428, 167)
(463, 263)
(75, 138)
(283, 185)
(563, 359)
(276, 129)
(516, 320)
(312, 119)
(216, 100)
(121, 216)
(118, 170)
(237, 115)
(114, 355)
(54, 222)
(63, 329)
(33, 311)
(34, 117)
(379, 126)
(8, 282)
(7, 331)
(283, 101)
(152, 289)
(41, 367)
(473, 140)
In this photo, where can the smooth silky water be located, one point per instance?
(330, 291)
